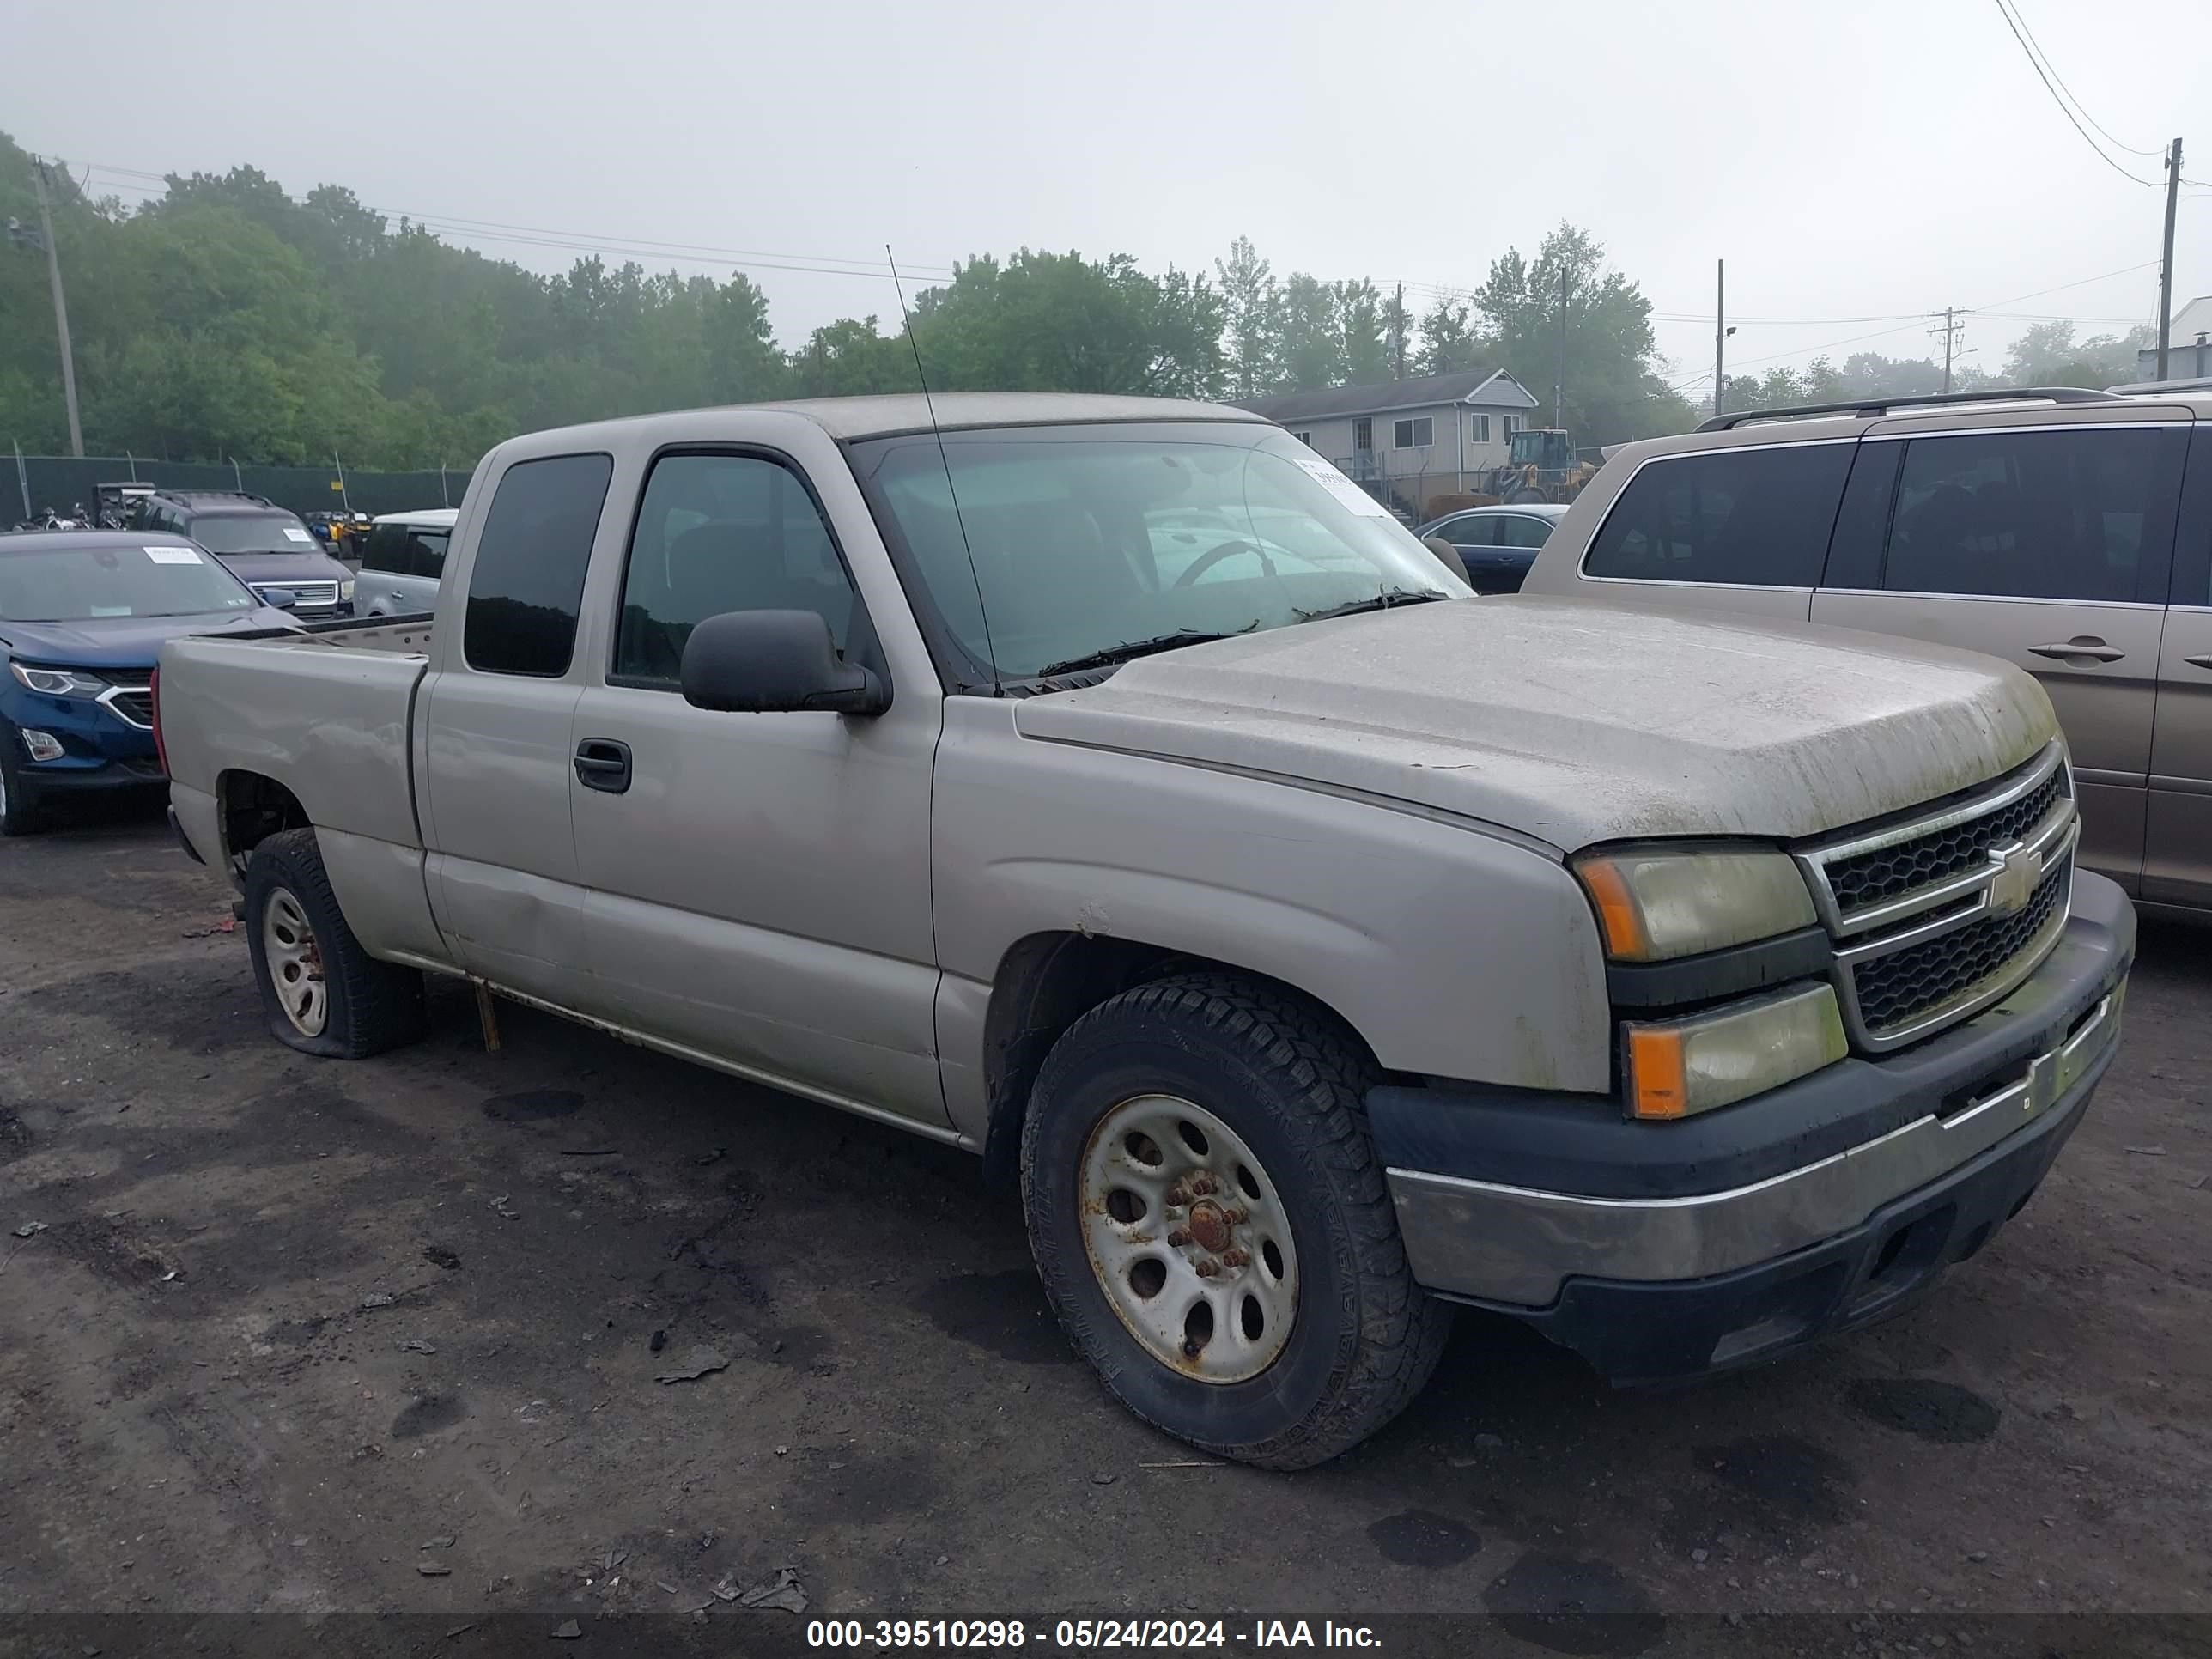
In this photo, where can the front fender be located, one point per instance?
(1451, 949)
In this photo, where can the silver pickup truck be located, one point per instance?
(1111, 788)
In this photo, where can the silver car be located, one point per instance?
(401, 561)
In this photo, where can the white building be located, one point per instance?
(2189, 345)
(1410, 438)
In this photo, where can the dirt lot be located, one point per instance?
(291, 1321)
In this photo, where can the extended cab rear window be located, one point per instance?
(1749, 517)
(528, 578)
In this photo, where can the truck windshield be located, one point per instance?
(1089, 540)
(254, 532)
(84, 584)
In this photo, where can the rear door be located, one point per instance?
(495, 733)
(1744, 528)
(2177, 839)
(2047, 542)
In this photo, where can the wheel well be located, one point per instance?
(1045, 983)
(253, 809)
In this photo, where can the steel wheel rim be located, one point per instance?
(1188, 1239)
(295, 965)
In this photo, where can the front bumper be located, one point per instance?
(1665, 1249)
(100, 748)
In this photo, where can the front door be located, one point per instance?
(495, 730)
(759, 884)
(2049, 546)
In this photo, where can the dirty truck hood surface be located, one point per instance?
(1577, 722)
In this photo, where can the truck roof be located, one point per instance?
(899, 413)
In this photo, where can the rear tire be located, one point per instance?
(22, 811)
(1121, 1258)
(325, 994)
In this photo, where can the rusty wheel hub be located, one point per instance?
(1186, 1236)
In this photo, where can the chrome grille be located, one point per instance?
(1890, 873)
(1908, 987)
(308, 595)
(1939, 915)
(133, 705)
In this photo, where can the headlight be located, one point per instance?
(345, 590)
(1659, 902)
(1678, 1067)
(58, 682)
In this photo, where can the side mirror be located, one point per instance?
(764, 662)
(283, 597)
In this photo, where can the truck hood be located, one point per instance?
(123, 642)
(1576, 722)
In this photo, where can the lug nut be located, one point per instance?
(1178, 1198)
(1202, 1186)
(1235, 1258)
(1178, 1238)
(1208, 1269)
(1236, 1217)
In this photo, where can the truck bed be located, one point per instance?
(326, 711)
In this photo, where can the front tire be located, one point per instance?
(325, 995)
(1213, 1228)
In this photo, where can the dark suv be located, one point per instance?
(271, 549)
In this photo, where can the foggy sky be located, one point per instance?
(1871, 161)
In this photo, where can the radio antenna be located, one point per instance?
(998, 688)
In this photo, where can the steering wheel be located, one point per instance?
(1214, 555)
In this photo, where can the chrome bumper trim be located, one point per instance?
(1518, 1245)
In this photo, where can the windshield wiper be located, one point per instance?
(1390, 600)
(1132, 649)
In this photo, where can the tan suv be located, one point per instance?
(2067, 530)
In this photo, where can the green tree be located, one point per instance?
(1363, 322)
(1612, 388)
(1450, 343)
(1252, 310)
(1310, 338)
(2048, 355)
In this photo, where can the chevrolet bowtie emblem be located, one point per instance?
(2019, 873)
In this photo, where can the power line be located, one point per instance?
(2148, 184)
(2036, 47)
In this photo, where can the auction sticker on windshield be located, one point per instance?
(174, 555)
(293, 533)
(1340, 486)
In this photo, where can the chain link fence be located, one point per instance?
(62, 482)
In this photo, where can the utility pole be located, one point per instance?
(61, 306)
(1398, 328)
(1720, 328)
(2166, 257)
(1949, 330)
(1560, 386)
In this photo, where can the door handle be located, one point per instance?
(2199, 662)
(2081, 645)
(603, 764)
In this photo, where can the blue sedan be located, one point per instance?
(82, 616)
(1497, 543)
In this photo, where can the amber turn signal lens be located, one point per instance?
(1617, 913)
(1680, 1068)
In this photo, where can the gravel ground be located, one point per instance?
(309, 1337)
